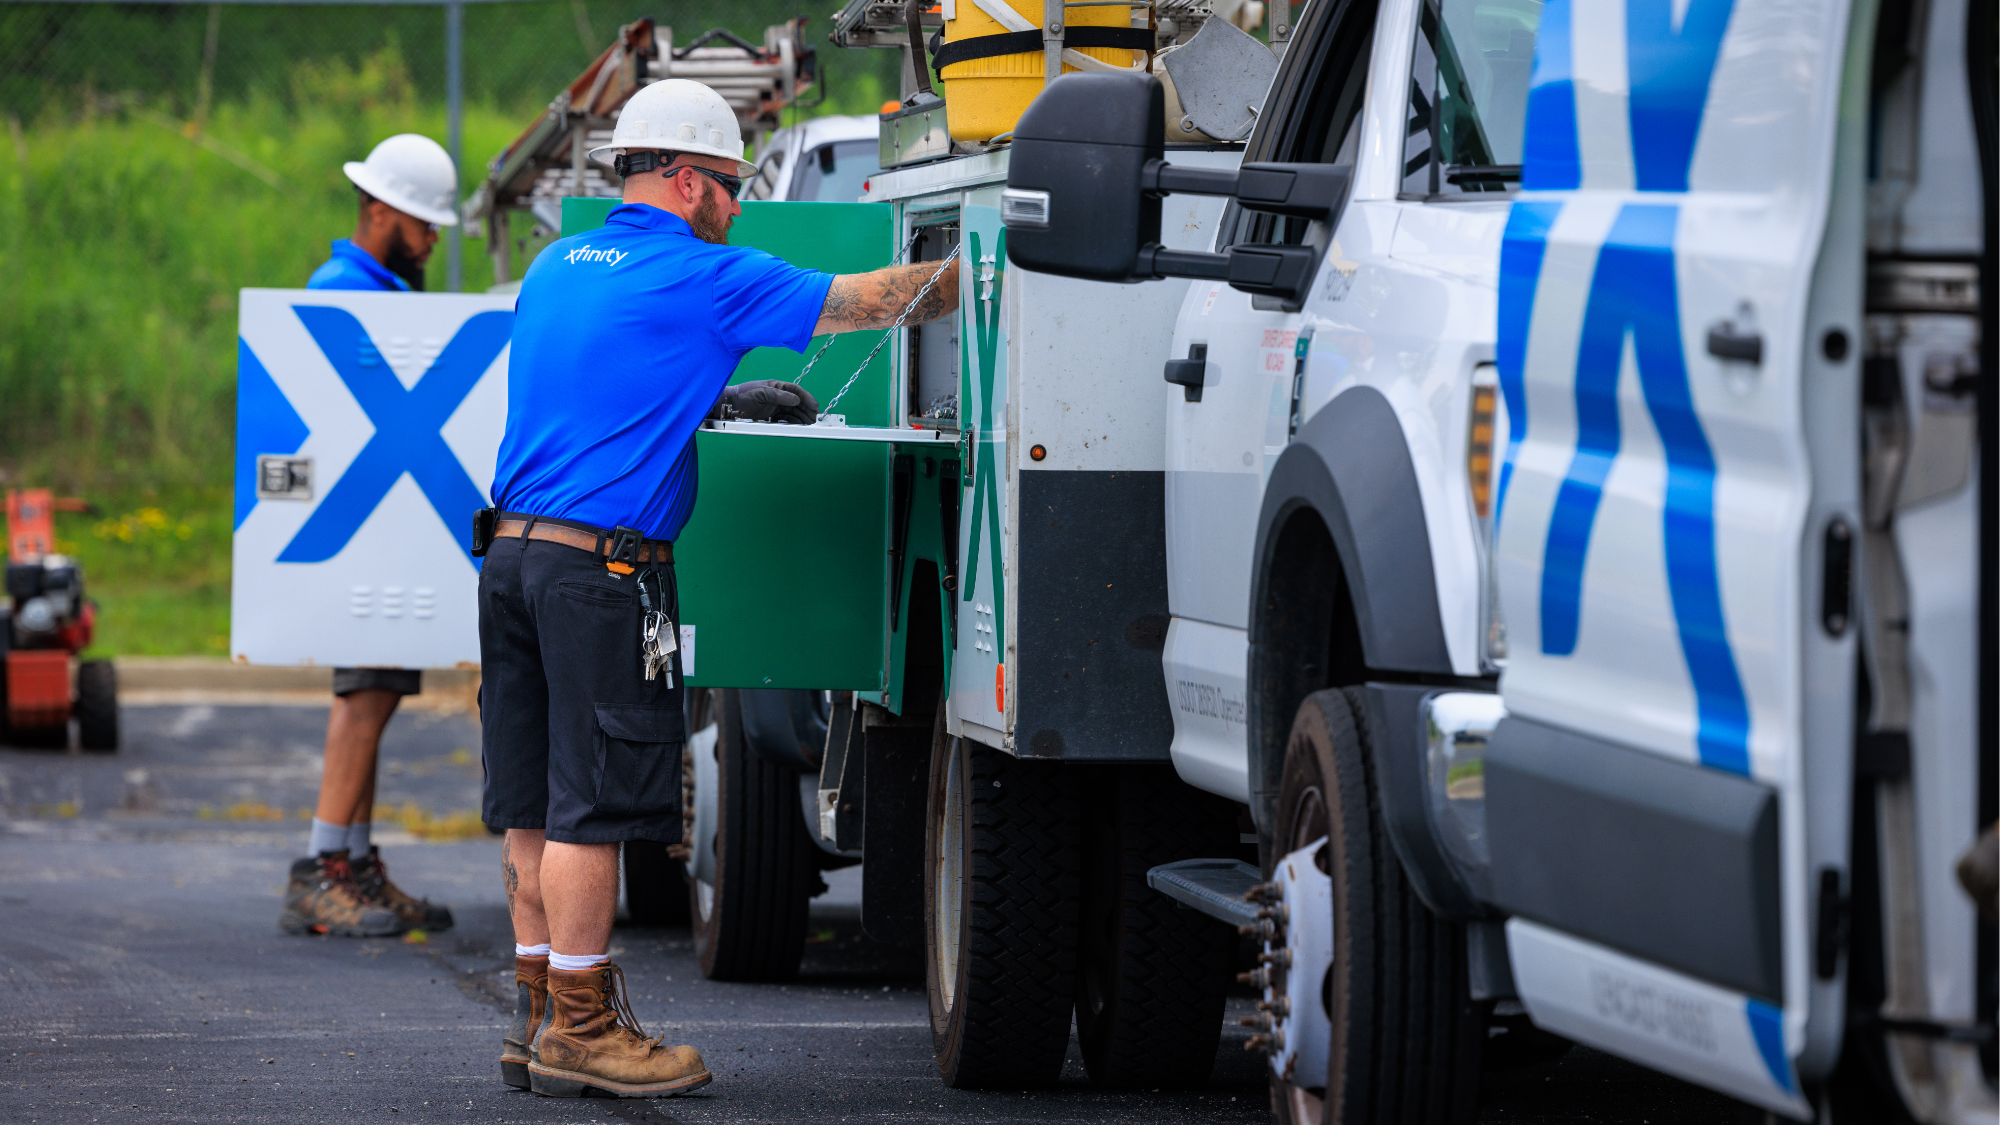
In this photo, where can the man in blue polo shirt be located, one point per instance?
(624, 339)
(407, 189)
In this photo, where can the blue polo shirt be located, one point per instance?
(623, 339)
(351, 267)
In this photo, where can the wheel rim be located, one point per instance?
(1308, 820)
(948, 890)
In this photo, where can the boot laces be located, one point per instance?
(620, 1001)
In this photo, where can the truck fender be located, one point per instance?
(1341, 555)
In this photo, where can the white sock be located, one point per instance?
(577, 962)
(541, 950)
(357, 838)
(326, 837)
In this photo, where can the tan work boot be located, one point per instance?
(592, 1045)
(371, 878)
(531, 1000)
(321, 898)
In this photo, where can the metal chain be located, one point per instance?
(832, 336)
(907, 310)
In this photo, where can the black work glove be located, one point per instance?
(771, 400)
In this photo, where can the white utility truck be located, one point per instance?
(1561, 546)
(1580, 534)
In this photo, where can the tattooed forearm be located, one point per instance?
(861, 301)
(508, 875)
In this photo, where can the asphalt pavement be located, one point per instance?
(147, 980)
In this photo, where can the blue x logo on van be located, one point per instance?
(407, 428)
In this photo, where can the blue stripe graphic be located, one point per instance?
(1632, 294)
(1521, 251)
(1768, 1030)
(265, 423)
(1549, 157)
(1669, 70)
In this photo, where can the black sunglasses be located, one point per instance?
(731, 184)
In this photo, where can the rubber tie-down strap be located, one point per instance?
(1027, 42)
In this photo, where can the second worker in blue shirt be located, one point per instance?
(624, 340)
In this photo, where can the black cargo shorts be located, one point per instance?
(576, 741)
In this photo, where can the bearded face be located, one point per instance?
(708, 221)
(410, 245)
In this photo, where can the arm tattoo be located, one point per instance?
(862, 301)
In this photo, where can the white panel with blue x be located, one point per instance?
(392, 405)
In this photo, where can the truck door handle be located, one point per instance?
(1725, 341)
(1190, 373)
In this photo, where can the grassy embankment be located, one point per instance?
(125, 234)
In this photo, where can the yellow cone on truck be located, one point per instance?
(984, 97)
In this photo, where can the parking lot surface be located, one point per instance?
(147, 981)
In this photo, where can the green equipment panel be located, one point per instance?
(783, 567)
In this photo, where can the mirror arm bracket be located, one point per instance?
(1157, 261)
(1308, 191)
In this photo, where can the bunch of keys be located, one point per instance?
(656, 644)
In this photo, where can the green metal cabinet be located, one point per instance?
(784, 567)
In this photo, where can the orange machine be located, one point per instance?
(47, 621)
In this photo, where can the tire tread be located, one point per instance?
(1012, 1030)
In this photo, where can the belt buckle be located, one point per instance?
(623, 557)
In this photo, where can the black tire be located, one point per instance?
(1151, 978)
(97, 705)
(754, 924)
(1000, 915)
(1406, 1035)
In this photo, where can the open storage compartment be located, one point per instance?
(783, 567)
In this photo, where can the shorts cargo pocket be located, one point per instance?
(639, 760)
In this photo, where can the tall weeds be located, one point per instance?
(126, 233)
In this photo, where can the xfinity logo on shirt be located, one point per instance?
(586, 254)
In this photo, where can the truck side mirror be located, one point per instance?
(1073, 205)
(1086, 177)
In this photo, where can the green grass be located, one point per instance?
(125, 235)
(158, 567)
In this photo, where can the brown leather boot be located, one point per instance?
(321, 898)
(594, 1046)
(531, 999)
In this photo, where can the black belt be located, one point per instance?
(1025, 42)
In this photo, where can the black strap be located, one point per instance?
(1026, 42)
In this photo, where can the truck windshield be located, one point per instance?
(1469, 96)
(835, 171)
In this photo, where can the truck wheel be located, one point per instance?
(1000, 886)
(97, 705)
(1405, 1033)
(1151, 978)
(751, 882)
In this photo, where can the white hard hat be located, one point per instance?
(677, 115)
(413, 174)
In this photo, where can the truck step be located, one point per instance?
(1213, 886)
